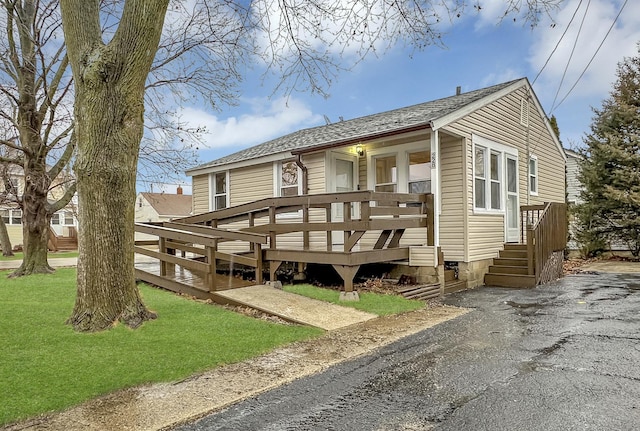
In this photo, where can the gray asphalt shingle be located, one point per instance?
(362, 127)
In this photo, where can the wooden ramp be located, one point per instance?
(296, 308)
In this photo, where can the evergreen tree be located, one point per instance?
(610, 170)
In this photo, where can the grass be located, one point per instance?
(50, 255)
(45, 366)
(381, 305)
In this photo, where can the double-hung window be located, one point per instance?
(220, 190)
(489, 174)
(533, 175)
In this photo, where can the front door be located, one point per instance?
(512, 233)
(342, 179)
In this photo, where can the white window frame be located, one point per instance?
(402, 163)
(533, 175)
(426, 179)
(490, 147)
(277, 177)
(212, 188)
(277, 186)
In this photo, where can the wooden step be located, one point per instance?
(515, 246)
(503, 269)
(513, 254)
(421, 292)
(455, 286)
(509, 261)
(509, 280)
(449, 275)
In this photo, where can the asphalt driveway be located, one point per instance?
(559, 357)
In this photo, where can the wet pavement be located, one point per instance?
(563, 356)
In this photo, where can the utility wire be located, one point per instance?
(573, 49)
(558, 44)
(594, 55)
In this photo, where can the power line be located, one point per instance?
(558, 44)
(573, 49)
(594, 55)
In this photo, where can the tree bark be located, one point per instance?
(109, 107)
(5, 241)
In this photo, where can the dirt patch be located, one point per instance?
(162, 406)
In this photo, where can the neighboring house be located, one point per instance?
(152, 207)
(573, 184)
(63, 223)
(482, 154)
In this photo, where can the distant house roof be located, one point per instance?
(169, 205)
(371, 126)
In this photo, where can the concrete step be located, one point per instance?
(509, 280)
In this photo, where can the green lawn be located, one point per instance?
(381, 305)
(46, 366)
(51, 255)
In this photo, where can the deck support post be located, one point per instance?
(210, 278)
(273, 267)
(347, 273)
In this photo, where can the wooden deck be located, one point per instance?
(190, 252)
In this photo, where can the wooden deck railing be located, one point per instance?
(254, 225)
(546, 232)
(362, 211)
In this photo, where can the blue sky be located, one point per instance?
(479, 52)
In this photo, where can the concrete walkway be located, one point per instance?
(297, 308)
(64, 262)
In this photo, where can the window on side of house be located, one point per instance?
(480, 177)
(289, 179)
(68, 218)
(55, 218)
(488, 174)
(496, 180)
(419, 172)
(533, 175)
(386, 176)
(16, 216)
(219, 190)
(4, 213)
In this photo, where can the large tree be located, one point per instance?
(299, 40)
(34, 85)
(610, 168)
(36, 101)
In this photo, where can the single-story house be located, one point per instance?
(487, 157)
(152, 207)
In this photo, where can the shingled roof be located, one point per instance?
(169, 205)
(359, 128)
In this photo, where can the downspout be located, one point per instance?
(305, 180)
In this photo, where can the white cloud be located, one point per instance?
(597, 80)
(266, 120)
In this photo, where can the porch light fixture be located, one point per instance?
(360, 150)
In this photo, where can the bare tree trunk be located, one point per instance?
(35, 221)
(5, 241)
(109, 107)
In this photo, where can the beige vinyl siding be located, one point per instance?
(452, 198)
(423, 256)
(200, 194)
(250, 184)
(500, 122)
